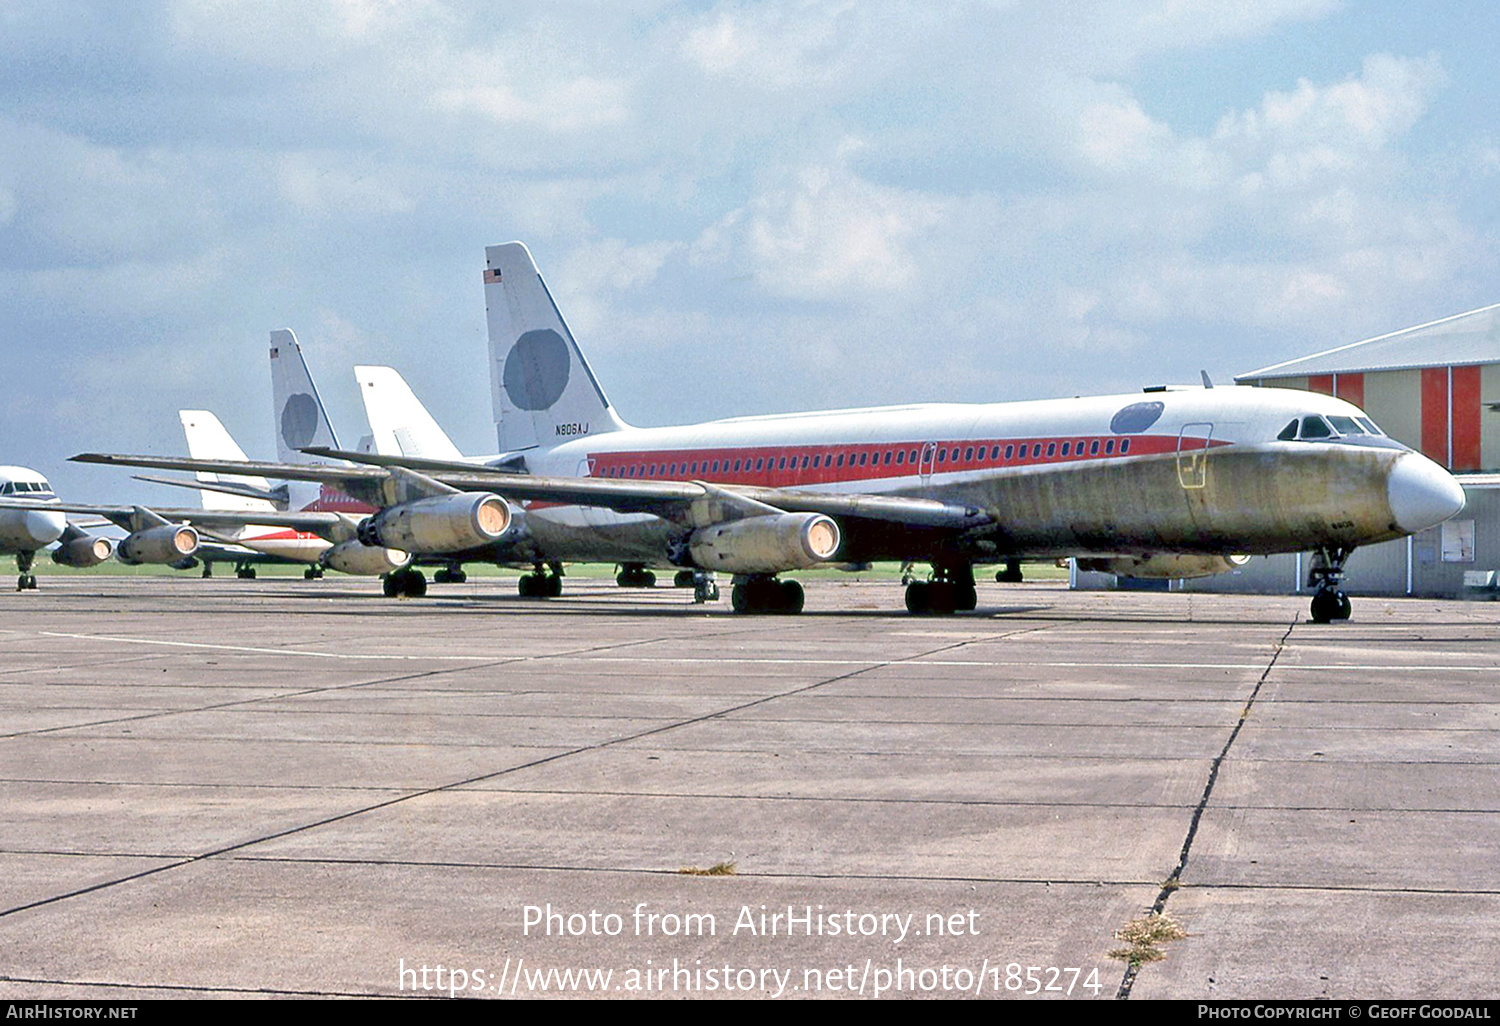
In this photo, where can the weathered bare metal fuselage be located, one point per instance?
(1208, 476)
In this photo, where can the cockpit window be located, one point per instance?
(1315, 427)
(1369, 425)
(1345, 425)
(1289, 433)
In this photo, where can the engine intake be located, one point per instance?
(167, 543)
(1164, 565)
(439, 523)
(81, 552)
(355, 557)
(766, 545)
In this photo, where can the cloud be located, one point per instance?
(825, 233)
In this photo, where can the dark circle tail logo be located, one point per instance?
(1136, 417)
(299, 420)
(536, 370)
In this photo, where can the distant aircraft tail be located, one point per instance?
(207, 439)
(399, 423)
(543, 389)
(301, 420)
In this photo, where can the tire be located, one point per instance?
(791, 597)
(415, 585)
(391, 584)
(941, 597)
(1329, 605)
(551, 586)
(917, 594)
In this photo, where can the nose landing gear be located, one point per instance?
(1326, 574)
(27, 579)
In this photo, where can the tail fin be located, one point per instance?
(543, 389)
(301, 420)
(399, 422)
(207, 439)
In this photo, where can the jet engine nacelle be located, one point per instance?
(439, 523)
(82, 552)
(355, 557)
(166, 543)
(1164, 565)
(766, 545)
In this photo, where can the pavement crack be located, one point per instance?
(1174, 880)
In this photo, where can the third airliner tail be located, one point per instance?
(301, 420)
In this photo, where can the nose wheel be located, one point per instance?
(27, 580)
(1329, 603)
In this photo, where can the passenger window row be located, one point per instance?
(826, 463)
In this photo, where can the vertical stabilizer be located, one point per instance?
(543, 389)
(207, 439)
(400, 424)
(301, 420)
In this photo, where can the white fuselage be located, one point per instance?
(27, 530)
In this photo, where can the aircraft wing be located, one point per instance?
(130, 518)
(379, 486)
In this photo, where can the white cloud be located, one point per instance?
(318, 184)
(826, 233)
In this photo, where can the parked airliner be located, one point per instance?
(1171, 483)
(25, 532)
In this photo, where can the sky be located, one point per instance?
(740, 208)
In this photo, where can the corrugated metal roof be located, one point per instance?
(1465, 338)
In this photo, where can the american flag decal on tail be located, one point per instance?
(491, 276)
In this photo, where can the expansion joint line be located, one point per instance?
(483, 777)
(1174, 881)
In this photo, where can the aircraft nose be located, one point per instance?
(44, 528)
(1421, 493)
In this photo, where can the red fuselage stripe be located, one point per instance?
(793, 465)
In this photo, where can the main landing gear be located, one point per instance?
(950, 590)
(1329, 602)
(634, 575)
(762, 593)
(1011, 574)
(453, 573)
(313, 573)
(408, 582)
(542, 582)
(244, 571)
(27, 580)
